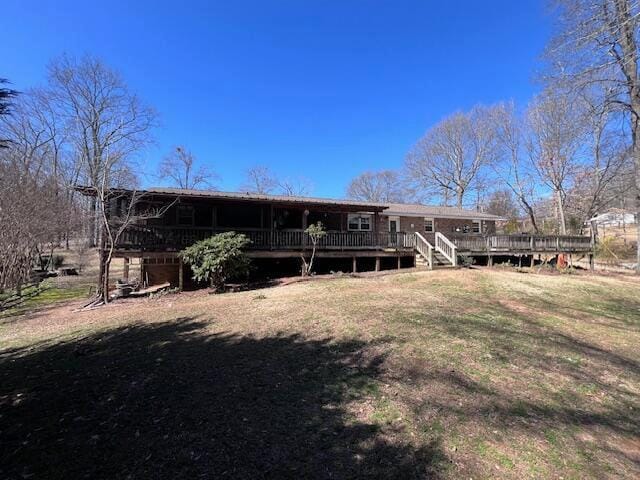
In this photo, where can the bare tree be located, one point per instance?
(555, 137)
(512, 169)
(598, 44)
(450, 155)
(382, 186)
(107, 127)
(259, 179)
(119, 210)
(101, 115)
(179, 167)
(502, 203)
(607, 159)
(295, 186)
(32, 215)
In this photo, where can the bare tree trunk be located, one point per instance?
(459, 196)
(562, 223)
(531, 214)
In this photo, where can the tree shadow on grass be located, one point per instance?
(168, 400)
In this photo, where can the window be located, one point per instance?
(476, 227)
(428, 225)
(185, 215)
(357, 221)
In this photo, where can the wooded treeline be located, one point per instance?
(569, 154)
(83, 126)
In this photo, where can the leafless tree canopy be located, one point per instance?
(260, 179)
(448, 159)
(596, 51)
(179, 167)
(36, 208)
(555, 136)
(382, 186)
(503, 204)
(295, 186)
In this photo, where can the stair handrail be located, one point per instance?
(447, 248)
(424, 248)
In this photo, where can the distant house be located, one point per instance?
(360, 235)
(614, 218)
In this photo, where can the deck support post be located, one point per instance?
(531, 263)
(519, 261)
(125, 270)
(354, 264)
(399, 262)
(591, 263)
(490, 261)
(377, 264)
(180, 275)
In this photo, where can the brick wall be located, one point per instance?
(443, 225)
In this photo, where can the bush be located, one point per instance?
(218, 258)
(465, 261)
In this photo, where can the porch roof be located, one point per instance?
(352, 205)
(418, 210)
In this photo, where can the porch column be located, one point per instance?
(304, 227)
(271, 222)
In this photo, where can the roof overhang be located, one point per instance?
(281, 200)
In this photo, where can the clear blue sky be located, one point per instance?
(323, 89)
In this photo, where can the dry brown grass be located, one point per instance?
(445, 374)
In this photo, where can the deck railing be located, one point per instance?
(521, 243)
(175, 238)
(147, 237)
(447, 248)
(424, 248)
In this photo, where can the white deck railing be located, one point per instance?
(425, 249)
(447, 248)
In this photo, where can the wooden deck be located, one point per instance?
(155, 238)
(143, 239)
(520, 244)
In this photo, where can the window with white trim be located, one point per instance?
(428, 225)
(357, 221)
(476, 226)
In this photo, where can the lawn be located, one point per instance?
(444, 374)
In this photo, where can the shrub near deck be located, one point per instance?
(444, 374)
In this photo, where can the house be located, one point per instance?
(360, 235)
(615, 217)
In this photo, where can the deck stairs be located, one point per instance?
(439, 261)
(443, 253)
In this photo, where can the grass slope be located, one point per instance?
(445, 374)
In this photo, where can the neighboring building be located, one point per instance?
(360, 235)
(614, 218)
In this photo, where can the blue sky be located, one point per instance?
(321, 89)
